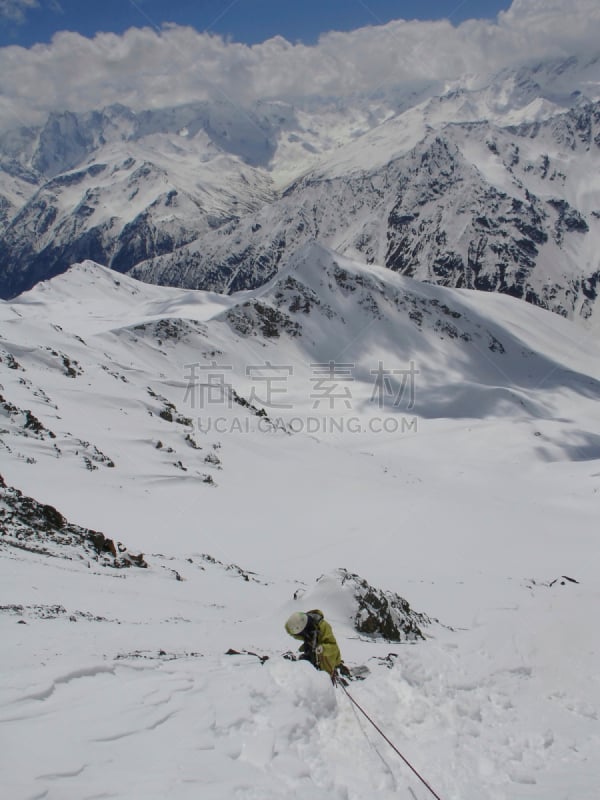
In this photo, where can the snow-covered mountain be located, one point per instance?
(489, 183)
(120, 187)
(343, 437)
(474, 205)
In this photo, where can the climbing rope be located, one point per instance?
(373, 746)
(391, 744)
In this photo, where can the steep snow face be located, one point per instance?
(169, 420)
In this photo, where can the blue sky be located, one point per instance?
(25, 22)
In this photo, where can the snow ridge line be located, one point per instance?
(85, 672)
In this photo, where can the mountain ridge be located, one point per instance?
(485, 185)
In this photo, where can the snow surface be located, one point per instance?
(117, 683)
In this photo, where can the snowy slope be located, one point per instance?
(117, 683)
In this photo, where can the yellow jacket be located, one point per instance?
(319, 644)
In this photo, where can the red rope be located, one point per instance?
(391, 744)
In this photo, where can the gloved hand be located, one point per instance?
(290, 656)
(319, 649)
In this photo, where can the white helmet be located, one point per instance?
(296, 623)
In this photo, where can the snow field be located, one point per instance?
(148, 704)
(118, 684)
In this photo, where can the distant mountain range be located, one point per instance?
(489, 184)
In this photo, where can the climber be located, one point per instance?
(318, 642)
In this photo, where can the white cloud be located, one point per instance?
(147, 68)
(15, 10)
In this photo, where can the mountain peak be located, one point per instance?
(80, 281)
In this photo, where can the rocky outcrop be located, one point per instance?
(26, 524)
(383, 614)
(374, 613)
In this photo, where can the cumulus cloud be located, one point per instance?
(147, 68)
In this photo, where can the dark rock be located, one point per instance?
(54, 517)
(102, 543)
(28, 525)
(383, 614)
